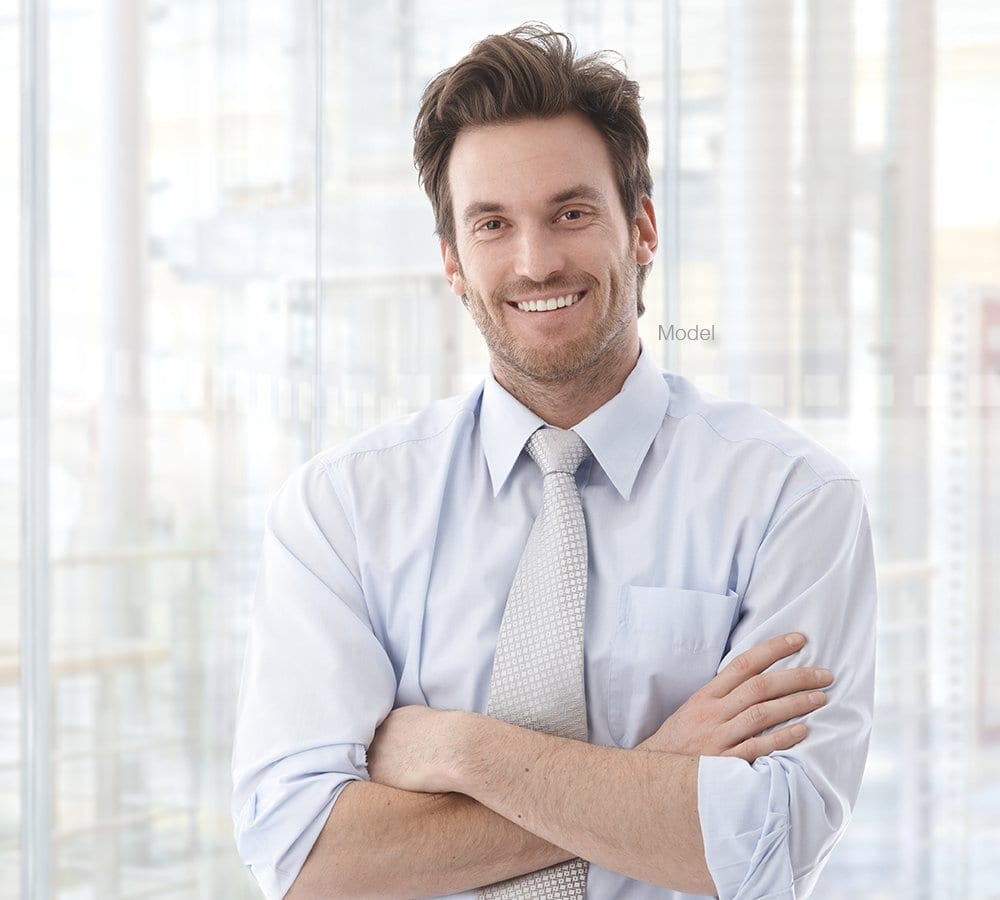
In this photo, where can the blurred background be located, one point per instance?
(216, 260)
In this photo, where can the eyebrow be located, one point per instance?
(576, 192)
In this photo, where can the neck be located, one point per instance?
(568, 402)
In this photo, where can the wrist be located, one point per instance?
(467, 735)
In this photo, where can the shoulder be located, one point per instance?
(374, 461)
(407, 437)
(747, 442)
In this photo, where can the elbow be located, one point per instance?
(323, 876)
(700, 884)
(706, 886)
(313, 884)
(335, 867)
(696, 880)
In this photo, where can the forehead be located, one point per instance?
(523, 162)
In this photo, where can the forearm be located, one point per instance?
(631, 811)
(380, 841)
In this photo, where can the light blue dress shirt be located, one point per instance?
(386, 564)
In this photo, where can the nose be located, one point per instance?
(538, 255)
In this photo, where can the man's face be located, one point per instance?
(538, 218)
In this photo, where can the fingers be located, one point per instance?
(761, 716)
(749, 700)
(772, 685)
(764, 744)
(753, 662)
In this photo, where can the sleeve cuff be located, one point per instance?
(280, 821)
(744, 825)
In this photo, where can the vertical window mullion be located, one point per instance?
(319, 389)
(34, 453)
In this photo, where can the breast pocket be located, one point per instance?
(668, 643)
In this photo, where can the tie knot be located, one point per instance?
(557, 450)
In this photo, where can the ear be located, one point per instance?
(648, 240)
(452, 270)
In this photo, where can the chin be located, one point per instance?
(546, 365)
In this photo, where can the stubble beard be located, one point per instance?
(581, 357)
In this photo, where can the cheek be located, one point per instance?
(602, 253)
(483, 272)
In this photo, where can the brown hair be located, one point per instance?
(531, 72)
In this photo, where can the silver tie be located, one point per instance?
(537, 679)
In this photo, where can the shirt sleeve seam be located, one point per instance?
(787, 453)
(329, 463)
(345, 455)
(789, 507)
(801, 496)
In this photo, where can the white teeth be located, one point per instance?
(551, 303)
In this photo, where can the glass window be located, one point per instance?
(243, 270)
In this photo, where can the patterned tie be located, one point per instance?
(537, 677)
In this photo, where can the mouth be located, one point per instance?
(548, 305)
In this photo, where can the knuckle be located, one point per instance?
(741, 665)
(708, 709)
(756, 717)
(814, 700)
(757, 687)
(700, 695)
(799, 705)
(773, 741)
(780, 739)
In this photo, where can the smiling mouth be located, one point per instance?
(549, 304)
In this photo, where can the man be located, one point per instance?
(551, 636)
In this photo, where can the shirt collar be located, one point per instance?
(618, 434)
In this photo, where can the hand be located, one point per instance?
(726, 716)
(414, 749)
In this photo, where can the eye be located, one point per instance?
(490, 225)
(572, 215)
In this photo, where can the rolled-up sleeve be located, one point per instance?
(316, 682)
(769, 827)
